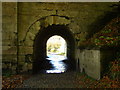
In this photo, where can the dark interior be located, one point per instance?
(39, 50)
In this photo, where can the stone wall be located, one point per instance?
(94, 62)
(22, 21)
(89, 62)
(9, 36)
(81, 18)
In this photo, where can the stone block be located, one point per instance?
(89, 63)
(94, 62)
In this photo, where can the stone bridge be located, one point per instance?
(27, 27)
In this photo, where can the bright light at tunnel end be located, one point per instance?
(56, 45)
(56, 50)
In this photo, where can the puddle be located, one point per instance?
(58, 64)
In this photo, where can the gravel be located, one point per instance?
(43, 80)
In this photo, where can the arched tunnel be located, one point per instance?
(39, 47)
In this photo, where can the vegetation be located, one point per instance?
(109, 36)
(53, 47)
(13, 81)
(62, 53)
(110, 80)
(6, 73)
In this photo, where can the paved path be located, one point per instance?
(64, 80)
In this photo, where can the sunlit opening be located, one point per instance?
(56, 45)
(56, 50)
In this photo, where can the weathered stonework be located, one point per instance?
(94, 61)
(22, 21)
(89, 62)
(9, 36)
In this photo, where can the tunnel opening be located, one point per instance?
(56, 45)
(56, 50)
(40, 57)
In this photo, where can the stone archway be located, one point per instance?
(39, 46)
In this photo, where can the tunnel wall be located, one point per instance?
(21, 21)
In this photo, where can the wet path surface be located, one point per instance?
(57, 76)
(57, 64)
(64, 80)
